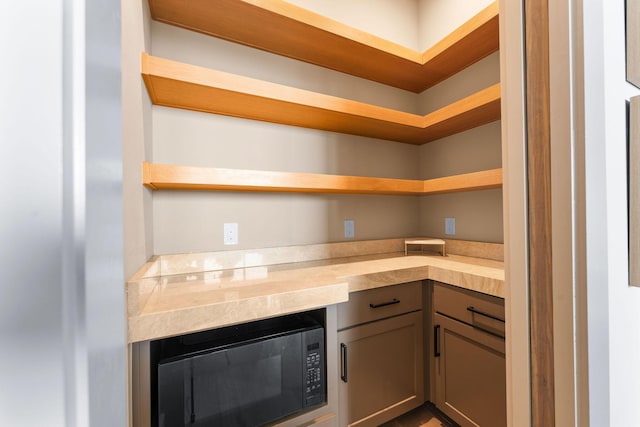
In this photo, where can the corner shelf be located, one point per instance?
(175, 84)
(173, 177)
(284, 29)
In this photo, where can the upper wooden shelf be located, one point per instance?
(180, 85)
(282, 28)
(172, 177)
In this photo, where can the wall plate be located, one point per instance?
(349, 228)
(450, 226)
(230, 233)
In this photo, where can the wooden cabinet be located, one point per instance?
(469, 357)
(380, 354)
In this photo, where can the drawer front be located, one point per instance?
(480, 310)
(379, 303)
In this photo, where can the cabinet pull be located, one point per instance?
(436, 341)
(482, 313)
(343, 362)
(384, 304)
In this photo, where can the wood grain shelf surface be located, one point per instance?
(176, 84)
(284, 29)
(173, 177)
(483, 180)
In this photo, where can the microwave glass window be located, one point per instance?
(240, 386)
(240, 383)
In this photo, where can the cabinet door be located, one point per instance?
(470, 374)
(381, 370)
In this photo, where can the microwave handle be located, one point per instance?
(343, 362)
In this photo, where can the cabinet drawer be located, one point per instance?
(480, 310)
(379, 303)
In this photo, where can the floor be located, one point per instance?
(424, 416)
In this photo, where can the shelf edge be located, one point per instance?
(174, 177)
(473, 181)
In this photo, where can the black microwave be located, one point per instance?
(246, 375)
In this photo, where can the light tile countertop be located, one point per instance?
(161, 304)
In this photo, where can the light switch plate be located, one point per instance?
(450, 226)
(231, 233)
(349, 228)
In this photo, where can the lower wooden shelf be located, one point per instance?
(174, 177)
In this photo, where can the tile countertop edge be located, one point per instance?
(193, 319)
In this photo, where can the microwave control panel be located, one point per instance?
(314, 367)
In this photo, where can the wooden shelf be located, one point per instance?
(175, 84)
(284, 29)
(172, 177)
(483, 180)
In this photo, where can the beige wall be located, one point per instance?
(394, 20)
(437, 18)
(478, 214)
(478, 76)
(193, 221)
(136, 137)
(185, 222)
(424, 22)
(206, 51)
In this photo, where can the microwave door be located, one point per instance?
(246, 385)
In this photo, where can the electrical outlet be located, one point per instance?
(231, 233)
(450, 226)
(349, 228)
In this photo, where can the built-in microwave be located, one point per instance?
(245, 375)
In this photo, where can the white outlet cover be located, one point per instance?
(450, 226)
(349, 228)
(230, 233)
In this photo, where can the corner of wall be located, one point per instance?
(136, 137)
